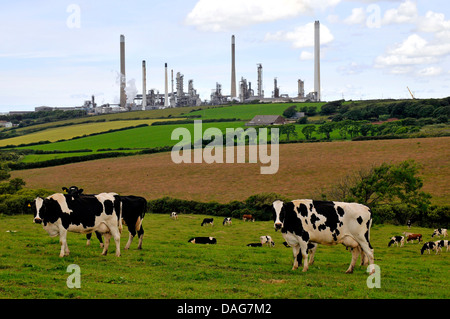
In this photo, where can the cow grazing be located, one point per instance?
(429, 246)
(207, 221)
(174, 215)
(323, 222)
(254, 245)
(267, 240)
(440, 232)
(246, 217)
(397, 240)
(226, 221)
(60, 213)
(412, 237)
(203, 240)
(133, 212)
(440, 244)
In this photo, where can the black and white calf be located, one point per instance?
(60, 213)
(440, 232)
(203, 240)
(209, 221)
(174, 215)
(133, 212)
(324, 222)
(227, 221)
(267, 240)
(397, 240)
(429, 246)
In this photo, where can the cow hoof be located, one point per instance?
(349, 271)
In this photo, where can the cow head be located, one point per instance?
(73, 190)
(279, 214)
(37, 206)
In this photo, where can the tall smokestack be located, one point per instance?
(317, 59)
(166, 96)
(123, 96)
(233, 68)
(260, 90)
(144, 88)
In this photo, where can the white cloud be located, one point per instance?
(414, 51)
(215, 15)
(358, 16)
(301, 37)
(433, 22)
(430, 71)
(406, 13)
(306, 55)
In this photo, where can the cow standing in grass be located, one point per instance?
(323, 222)
(60, 213)
(133, 212)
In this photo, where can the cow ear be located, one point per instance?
(65, 189)
(80, 191)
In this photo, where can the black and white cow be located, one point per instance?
(441, 244)
(174, 215)
(397, 240)
(203, 240)
(440, 232)
(60, 213)
(209, 221)
(324, 222)
(227, 221)
(429, 246)
(133, 212)
(267, 240)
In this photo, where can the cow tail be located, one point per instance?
(120, 218)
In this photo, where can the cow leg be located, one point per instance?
(106, 245)
(63, 241)
(304, 252)
(296, 253)
(140, 236)
(312, 252)
(368, 251)
(99, 237)
(130, 239)
(115, 232)
(88, 239)
(355, 255)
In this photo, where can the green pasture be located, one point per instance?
(168, 267)
(142, 137)
(248, 111)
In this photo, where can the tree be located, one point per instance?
(392, 184)
(288, 129)
(326, 129)
(290, 111)
(307, 130)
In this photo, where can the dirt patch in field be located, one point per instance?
(304, 171)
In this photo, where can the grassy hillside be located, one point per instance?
(305, 170)
(168, 267)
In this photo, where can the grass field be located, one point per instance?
(169, 267)
(68, 132)
(305, 171)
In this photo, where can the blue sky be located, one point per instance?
(59, 53)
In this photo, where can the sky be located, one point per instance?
(60, 53)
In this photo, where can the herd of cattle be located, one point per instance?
(428, 246)
(303, 224)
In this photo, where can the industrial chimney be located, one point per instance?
(166, 96)
(123, 96)
(317, 59)
(144, 84)
(233, 69)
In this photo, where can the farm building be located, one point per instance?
(266, 120)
